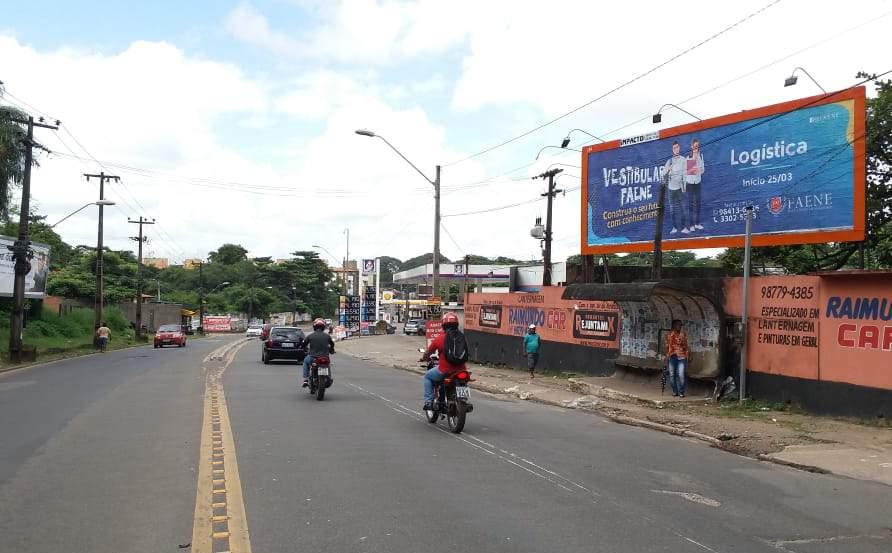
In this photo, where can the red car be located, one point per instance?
(264, 331)
(170, 335)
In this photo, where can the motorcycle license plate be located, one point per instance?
(462, 392)
(287, 345)
(323, 371)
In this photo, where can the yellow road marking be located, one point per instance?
(218, 521)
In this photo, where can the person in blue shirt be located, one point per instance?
(531, 344)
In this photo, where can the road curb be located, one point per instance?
(36, 364)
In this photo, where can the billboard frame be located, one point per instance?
(856, 234)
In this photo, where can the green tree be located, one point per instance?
(420, 260)
(228, 254)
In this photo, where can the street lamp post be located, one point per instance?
(436, 185)
(81, 208)
(566, 141)
(658, 116)
(792, 79)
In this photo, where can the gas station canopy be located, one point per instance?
(454, 273)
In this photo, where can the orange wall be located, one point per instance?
(783, 323)
(819, 327)
(856, 343)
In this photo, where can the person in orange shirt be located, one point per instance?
(677, 357)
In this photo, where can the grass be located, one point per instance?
(72, 333)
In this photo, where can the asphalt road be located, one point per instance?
(99, 454)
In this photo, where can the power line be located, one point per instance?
(451, 238)
(621, 86)
(508, 206)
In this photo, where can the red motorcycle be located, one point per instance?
(452, 398)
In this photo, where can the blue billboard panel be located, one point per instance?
(801, 169)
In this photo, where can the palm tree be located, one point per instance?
(12, 158)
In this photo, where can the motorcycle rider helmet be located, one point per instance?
(450, 320)
(318, 324)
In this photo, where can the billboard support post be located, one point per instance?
(657, 269)
(21, 251)
(744, 318)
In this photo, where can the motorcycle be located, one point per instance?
(452, 398)
(320, 376)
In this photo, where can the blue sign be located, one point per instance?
(796, 168)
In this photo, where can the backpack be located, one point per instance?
(456, 349)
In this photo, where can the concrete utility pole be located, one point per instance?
(550, 194)
(99, 301)
(436, 260)
(200, 298)
(657, 268)
(140, 240)
(21, 250)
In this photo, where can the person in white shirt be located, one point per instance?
(693, 173)
(674, 171)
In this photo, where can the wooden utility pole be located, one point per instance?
(21, 250)
(99, 301)
(140, 240)
(550, 194)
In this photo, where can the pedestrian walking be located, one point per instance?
(103, 334)
(531, 343)
(677, 357)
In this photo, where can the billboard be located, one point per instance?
(800, 165)
(368, 266)
(35, 280)
(217, 323)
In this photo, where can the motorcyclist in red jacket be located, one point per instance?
(435, 375)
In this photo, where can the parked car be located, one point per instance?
(284, 342)
(170, 335)
(414, 326)
(254, 331)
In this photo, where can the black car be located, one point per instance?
(284, 342)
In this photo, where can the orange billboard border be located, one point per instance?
(856, 234)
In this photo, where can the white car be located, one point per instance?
(254, 331)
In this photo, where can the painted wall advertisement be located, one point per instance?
(834, 327)
(795, 163)
(591, 323)
(35, 280)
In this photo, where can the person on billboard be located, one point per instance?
(674, 172)
(677, 357)
(694, 169)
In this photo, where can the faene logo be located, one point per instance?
(805, 202)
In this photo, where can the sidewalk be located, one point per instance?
(767, 432)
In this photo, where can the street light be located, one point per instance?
(83, 207)
(658, 116)
(559, 147)
(436, 185)
(792, 79)
(566, 141)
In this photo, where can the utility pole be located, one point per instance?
(140, 240)
(200, 298)
(550, 194)
(100, 300)
(744, 318)
(21, 251)
(657, 268)
(436, 260)
(467, 268)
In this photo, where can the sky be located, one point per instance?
(234, 121)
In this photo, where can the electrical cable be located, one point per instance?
(619, 87)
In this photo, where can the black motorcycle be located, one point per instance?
(452, 398)
(320, 376)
